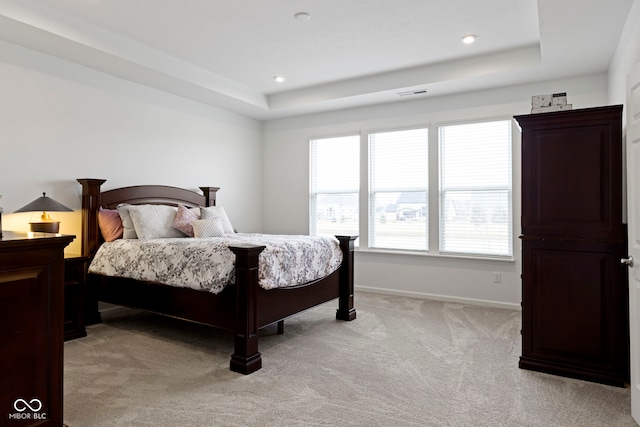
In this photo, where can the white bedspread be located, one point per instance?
(208, 264)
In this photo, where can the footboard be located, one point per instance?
(257, 307)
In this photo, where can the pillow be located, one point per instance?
(184, 218)
(217, 211)
(110, 224)
(211, 227)
(154, 221)
(129, 231)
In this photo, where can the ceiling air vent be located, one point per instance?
(413, 92)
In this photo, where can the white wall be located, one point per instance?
(626, 56)
(61, 121)
(286, 186)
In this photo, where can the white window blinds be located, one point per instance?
(475, 188)
(335, 181)
(398, 185)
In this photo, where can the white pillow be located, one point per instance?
(219, 212)
(154, 221)
(211, 227)
(129, 231)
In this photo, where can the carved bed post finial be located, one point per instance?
(210, 195)
(90, 204)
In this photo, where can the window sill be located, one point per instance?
(400, 252)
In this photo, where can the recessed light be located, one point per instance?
(302, 16)
(469, 38)
(278, 79)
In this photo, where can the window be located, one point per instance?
(439, 190)
(475, 188)
(335, 183)
(398, 194)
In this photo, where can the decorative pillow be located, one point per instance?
(127, 223)
(217, 211)
(154, 221)
(184, 218)
(110, 224)
(211, 227)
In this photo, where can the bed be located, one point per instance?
(242, 307)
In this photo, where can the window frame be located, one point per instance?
(313, 195)
(510, 191)
(371, 208)
(433, 195)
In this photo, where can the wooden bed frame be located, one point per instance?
(242, 308)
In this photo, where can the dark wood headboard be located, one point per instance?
(93, 199)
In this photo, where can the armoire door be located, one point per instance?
(574, 292)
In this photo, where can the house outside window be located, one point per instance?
(398, 189)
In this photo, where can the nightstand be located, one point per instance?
(74, 296)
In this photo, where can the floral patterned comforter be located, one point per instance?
(208, 264)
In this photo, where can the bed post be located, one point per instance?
(90, 242)
(210, 195)
(346, 310)
(90, 205)
(246, 358)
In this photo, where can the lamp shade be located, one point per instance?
(44, 204)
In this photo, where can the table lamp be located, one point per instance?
(44, 204)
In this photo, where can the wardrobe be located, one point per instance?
(574, 287)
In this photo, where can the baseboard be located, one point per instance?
(436, 297)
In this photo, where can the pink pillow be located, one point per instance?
(183, 220)
(110, 224)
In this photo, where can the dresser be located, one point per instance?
(31, 330)
(574, 288)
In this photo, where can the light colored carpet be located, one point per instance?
(402, 362)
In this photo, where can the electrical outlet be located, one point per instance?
(497, 277)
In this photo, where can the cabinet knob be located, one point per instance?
(628, 261)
